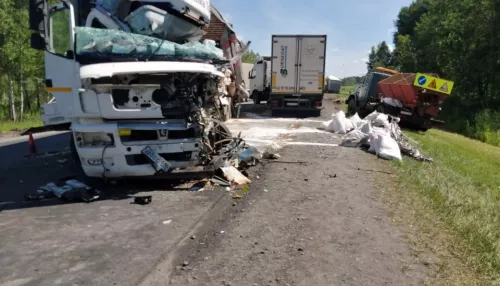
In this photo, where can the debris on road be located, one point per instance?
(271, 151)
(167, 221)
(219, 181)
(71, 190)
(378, 132)
(235, 176)
(143, 200)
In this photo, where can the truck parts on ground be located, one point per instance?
(143, 94)
(297, 72)
(415, 98)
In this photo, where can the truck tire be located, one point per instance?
(351, 106)
(256, 97)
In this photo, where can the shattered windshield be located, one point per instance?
(114, 43)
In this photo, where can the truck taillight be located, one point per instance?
(317, 103)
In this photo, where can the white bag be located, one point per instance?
(324, 125)
(366, 127)
(338, 123)
(388, 149)
(371, 116)
(382, 120)
(356, 120)
(349, 125)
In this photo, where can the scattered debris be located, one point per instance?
(236, 197)
(185, 263)
(198, 187)
(379, 133)
(167, 221)
(71, 190)
(272, 151)
(219, 181)
(143, 200)
(235, 176)
(193, 237)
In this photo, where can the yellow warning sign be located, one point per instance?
(433, 83)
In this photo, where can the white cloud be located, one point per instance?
(335, 49)
(391, 47)
(391, 31)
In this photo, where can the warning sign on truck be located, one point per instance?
(433, 83)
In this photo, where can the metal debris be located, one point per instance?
(143, 200)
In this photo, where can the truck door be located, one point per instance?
(62, 72)
(365, 89)
(311, 64)
(284, 64)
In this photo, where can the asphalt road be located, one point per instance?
(298, 225)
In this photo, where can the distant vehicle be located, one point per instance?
(297, 73)
(260, 80)
(332, 84)
(415, 98)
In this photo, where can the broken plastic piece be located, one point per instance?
(234, 176)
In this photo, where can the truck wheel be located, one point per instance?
(256, 97)
(351, 106)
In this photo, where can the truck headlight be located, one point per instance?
(93, 139)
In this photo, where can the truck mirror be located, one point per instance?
(36, 14)
(37, 42)
(251, 74)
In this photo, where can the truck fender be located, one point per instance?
(349, 98)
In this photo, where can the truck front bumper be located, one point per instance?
(125, 159)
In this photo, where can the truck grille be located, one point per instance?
(152, 135)
(140, 159)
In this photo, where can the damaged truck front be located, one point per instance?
(139, 105)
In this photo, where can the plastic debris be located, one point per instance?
(271, 151)
(235, 176)
(167, 221)
(71, 190)
(143, 200)
(354, 139)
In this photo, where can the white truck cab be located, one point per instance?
(260, 80)
(138, 105)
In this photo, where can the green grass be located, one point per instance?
(6, 126)
(461, 188)
(346, 90)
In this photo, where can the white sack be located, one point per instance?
(349, 125)
(366, 127)
(324, 125)
(392, 102)
(382, 120)
(388, 148)
(371, 116)
(356, 120)
(374, 140)
(338, 123)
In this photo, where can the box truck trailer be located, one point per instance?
(297, 73)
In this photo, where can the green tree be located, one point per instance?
(381, 56)
(249, 57)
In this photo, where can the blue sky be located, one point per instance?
(352, 26)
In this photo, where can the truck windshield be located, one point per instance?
(107, 43)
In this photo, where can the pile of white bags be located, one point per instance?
(374, 132)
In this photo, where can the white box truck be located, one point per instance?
(298, 72)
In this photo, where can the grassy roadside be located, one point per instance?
(346, 90)
(455, 204)
(6, 126)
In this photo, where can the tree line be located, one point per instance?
(21, 68)
(459, 40)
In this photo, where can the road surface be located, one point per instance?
(319, 223)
